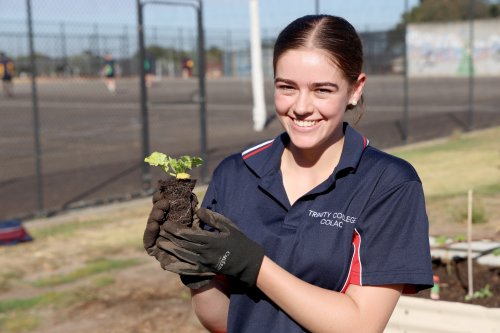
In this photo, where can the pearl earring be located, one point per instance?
(354, 103)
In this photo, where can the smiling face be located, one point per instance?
(311, 95)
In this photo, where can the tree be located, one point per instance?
(214, 54)
(495, 9)
(448, 10)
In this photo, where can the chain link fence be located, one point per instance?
(91, 139)
(71, 50)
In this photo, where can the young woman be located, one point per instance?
(316, 230)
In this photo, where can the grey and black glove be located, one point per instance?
(155, 219)
(190, 274)
(224, 250)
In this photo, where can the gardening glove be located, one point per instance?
(155, 220)
(196, 279)
(225, 250)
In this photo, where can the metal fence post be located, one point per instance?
(97, 49)
(36, 122)
(146, 173)
(125, 52)
(64, 48)
(201, 74)
(201, 82)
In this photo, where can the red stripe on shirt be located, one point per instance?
(257, 151)
(354, 276)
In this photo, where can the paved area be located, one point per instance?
(91, 141)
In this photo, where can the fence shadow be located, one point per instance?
(100, 186)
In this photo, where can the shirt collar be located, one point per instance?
(266, 157)
(354, 145)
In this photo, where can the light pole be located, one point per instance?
(405, 72)
(470, 115)
(259, 101)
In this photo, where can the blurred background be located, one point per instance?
(70, 138)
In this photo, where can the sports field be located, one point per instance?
(91, 140)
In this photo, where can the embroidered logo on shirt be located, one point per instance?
(332, 219)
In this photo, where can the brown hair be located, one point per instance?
(332, 34)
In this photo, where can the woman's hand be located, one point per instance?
(191, 275)
(224, 249)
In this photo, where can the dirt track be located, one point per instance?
(138, 299)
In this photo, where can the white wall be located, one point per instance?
(442, 49)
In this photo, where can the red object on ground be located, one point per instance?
(13, 232)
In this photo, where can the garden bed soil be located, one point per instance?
(453, 283)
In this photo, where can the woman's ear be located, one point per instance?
(357, 91)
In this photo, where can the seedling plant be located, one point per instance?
(178, 188)
(177, 168)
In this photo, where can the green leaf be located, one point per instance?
(197, 161)
(158, 159)
(178, 166)
(185, 161)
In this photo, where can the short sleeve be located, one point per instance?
(394, 239)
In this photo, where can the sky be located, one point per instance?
(218, 14)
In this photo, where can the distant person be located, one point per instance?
(149, 69)
(187, 67)
(109, 73)
(314, 230)
(7, 74)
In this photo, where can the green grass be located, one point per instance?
(66, 229)
(460, 214)
(19, 322)
(94, 267)
(6, 279)
(59, 291)
(20, 304)
(42, 300)
(462, 162)
(16, 315)
(103, 281)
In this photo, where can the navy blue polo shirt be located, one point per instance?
(366, 224)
